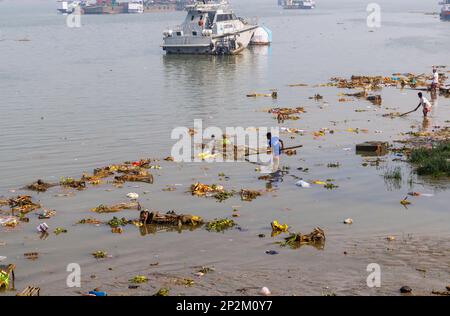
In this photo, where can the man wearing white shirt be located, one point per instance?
(423, 103)
(435, 82)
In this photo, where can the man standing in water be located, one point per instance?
(275, 145)
(424, 103)
(435, 81)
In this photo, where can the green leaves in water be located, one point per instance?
(162, 292)
(117, 222)
(219, 225)
(138, 279)
(60, 230)
(222, 196)
(100, 254)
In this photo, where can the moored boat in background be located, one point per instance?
(445, 11)
(297, 4)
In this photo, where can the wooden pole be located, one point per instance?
(284, 149)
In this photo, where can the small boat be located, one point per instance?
(68, 7)
(298, 4)
(445, 11)
(210, 27)
(135, 6)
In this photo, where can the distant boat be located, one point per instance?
(136, 6)
(67, 7)
(445, 11)
(297, 4)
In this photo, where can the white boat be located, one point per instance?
(209, 28)
(67, 7)
(136, 6)
(298, 4)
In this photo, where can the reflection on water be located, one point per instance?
(152, 229)
(205, 70)
(426, 124)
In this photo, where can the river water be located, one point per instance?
(73, 99)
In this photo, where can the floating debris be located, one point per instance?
(133, 196)
(316, 97)
(374, 147)
(220, 225)
(47, 214)
(117, 222)
(42, 228)
(31, 255)
(316, 238)
(405, 202)
(277, 228)
(375, 99)
(72, 183)
(40, 186)
(185, 282)
(330, 186)
(348, 221)
(303, 184)
(249, 195)
(138, 279)
(273, 95)
(100, 254)
(59, 230)
(170, 218)
(23, 204)
(222, 196)
(146, 178)
(9, 221)
(206, 270)
(201, 189)
(162, 292)
(117, 230)
(89, 221)
(102, 208)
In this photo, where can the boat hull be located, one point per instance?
(445, 15)
(208, 45)
(298, 7)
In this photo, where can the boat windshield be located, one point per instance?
(225, 17)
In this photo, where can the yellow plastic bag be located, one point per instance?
(278, 227)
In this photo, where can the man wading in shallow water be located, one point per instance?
(275, 145)
(426, 105)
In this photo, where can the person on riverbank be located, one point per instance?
(275, 146)
(424, 103)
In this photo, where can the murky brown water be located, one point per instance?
(73, 100)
